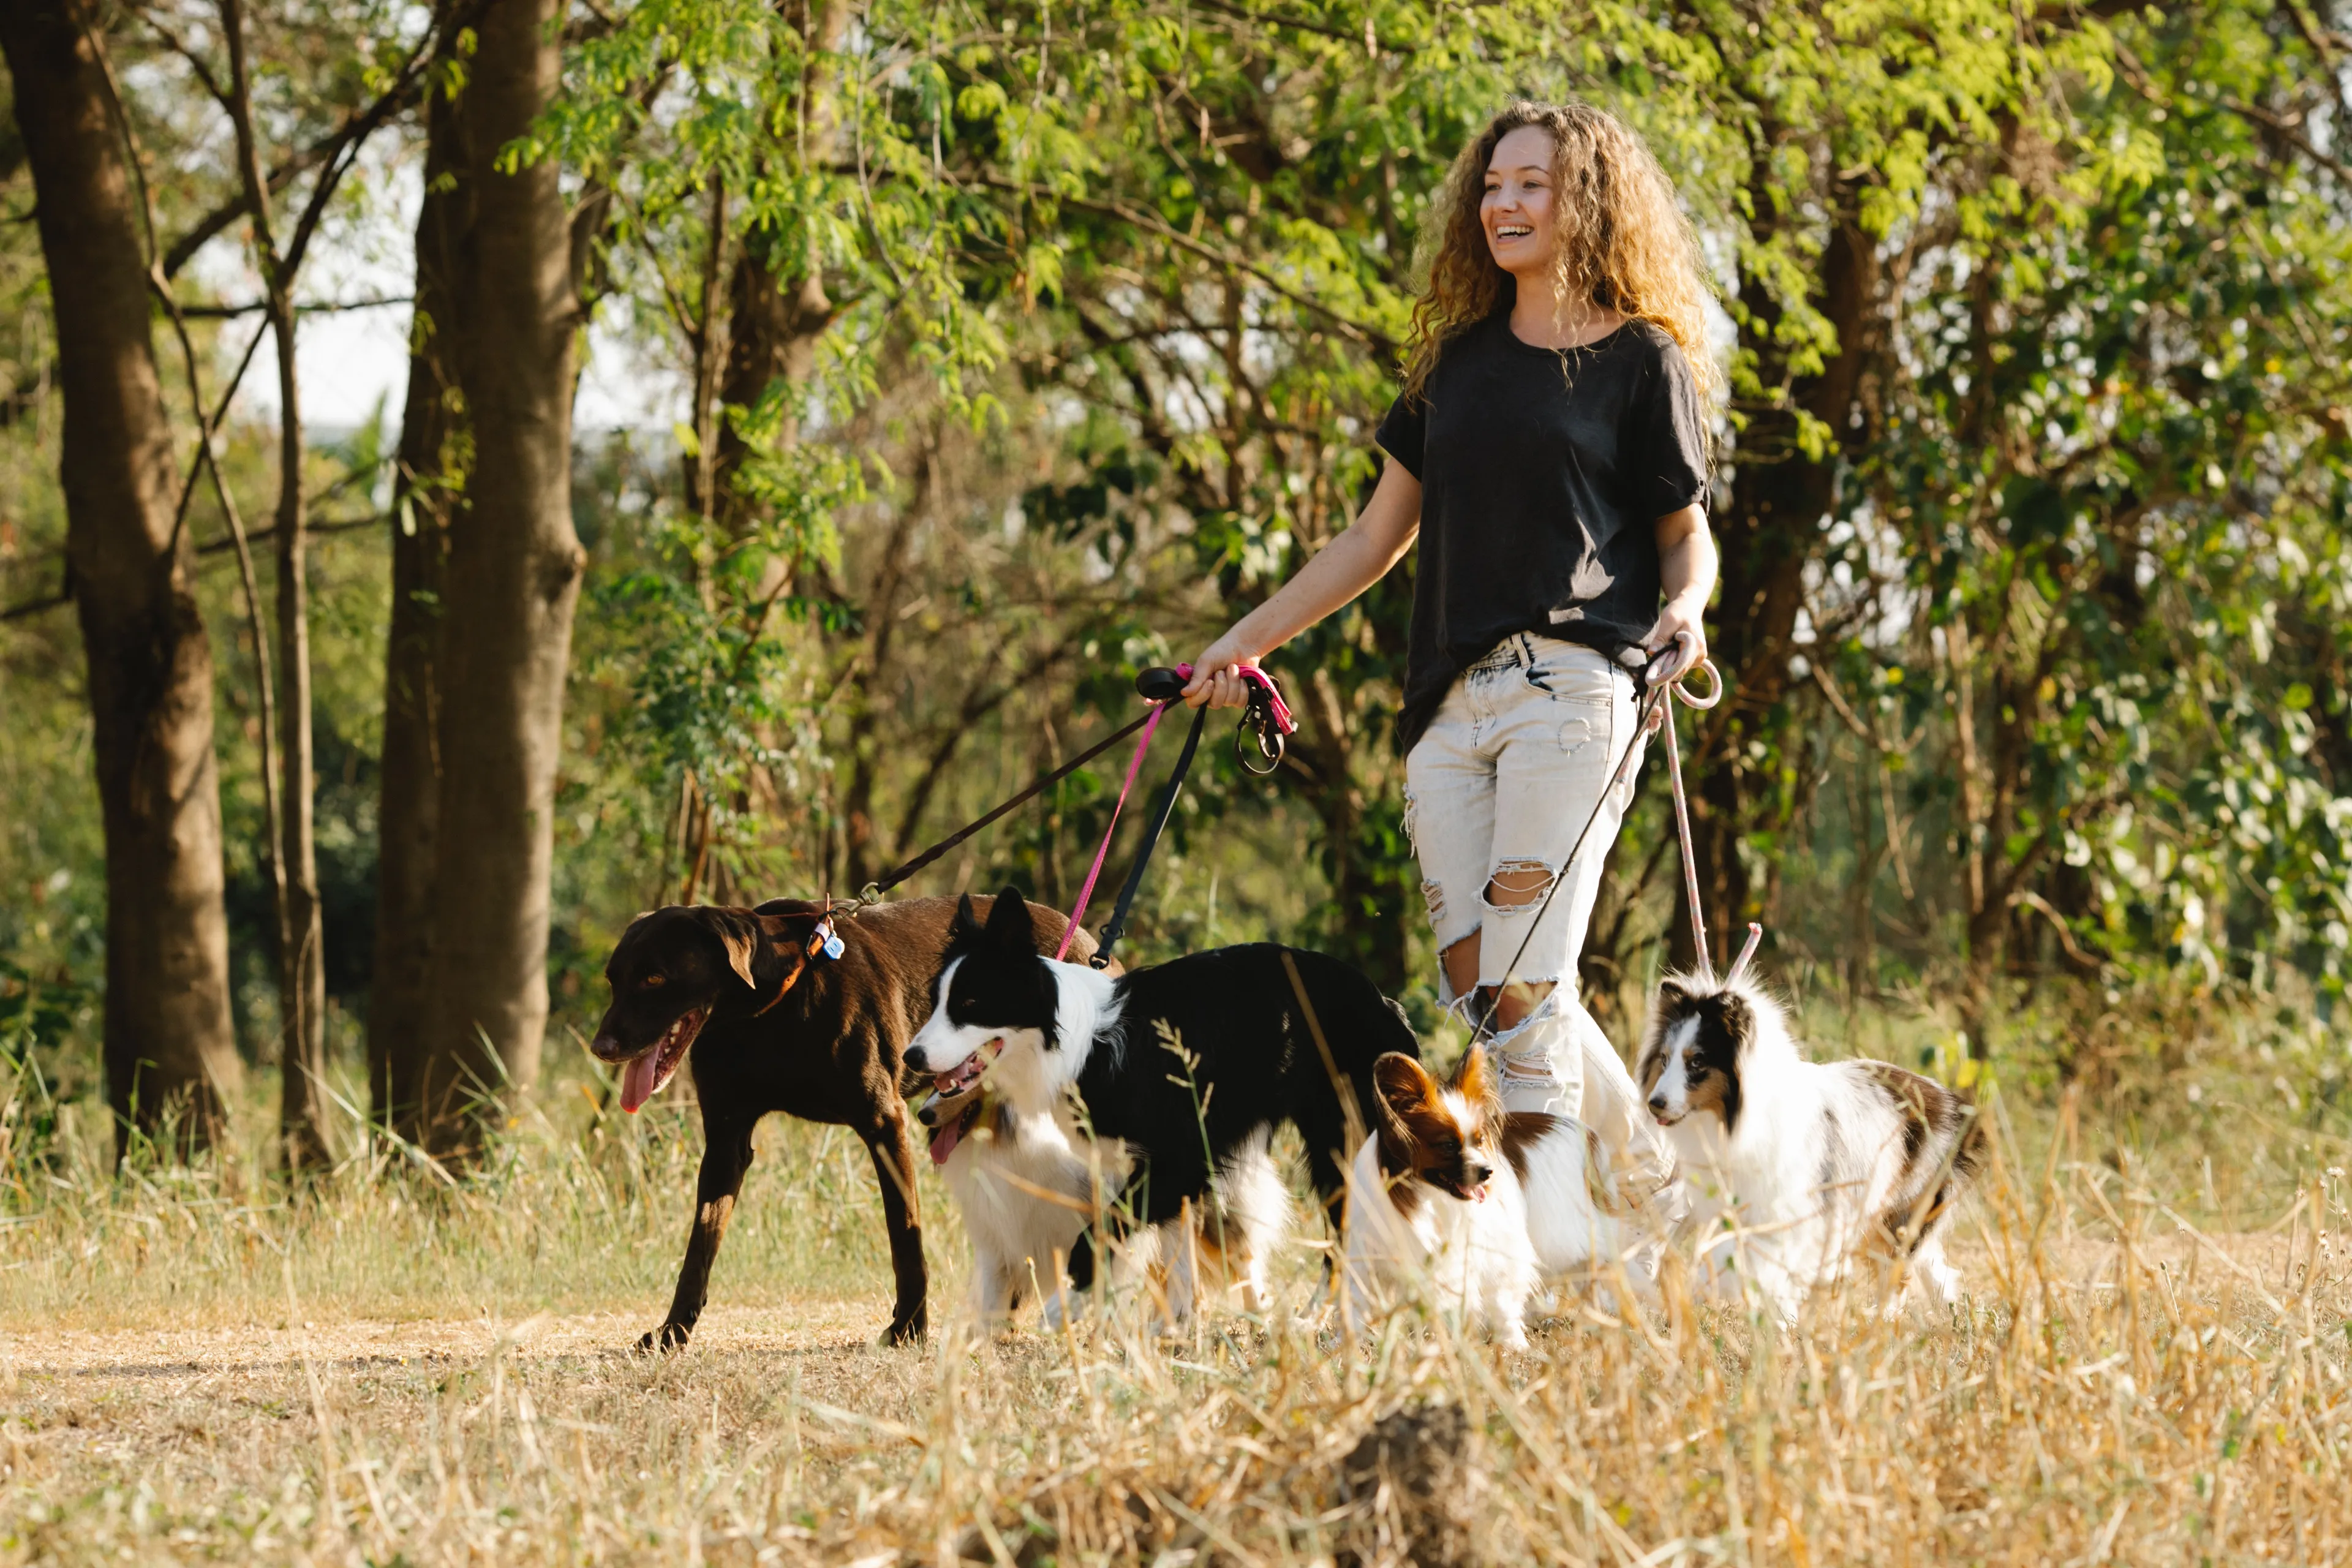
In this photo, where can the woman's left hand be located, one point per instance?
(1682, 627)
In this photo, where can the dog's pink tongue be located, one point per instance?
(944, 1141)
(637, 1080)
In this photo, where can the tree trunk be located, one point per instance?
(169, 1047)
(408, 813)
(774, 329)
(301, 961)
(1769, 532)
(510, 585)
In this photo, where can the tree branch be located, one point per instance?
(1368, 41)
(1354, 331)
(323, 307)
(2030, 900)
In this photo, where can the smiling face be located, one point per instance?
(994, 992)
(668, 971)
(1516, 210)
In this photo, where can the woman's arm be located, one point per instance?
(1686, 567)
(1342, 569)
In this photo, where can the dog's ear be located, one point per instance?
(1738, 1022)
(966, 922)
(1403, 1088)
(1474, 1081)
(1009, 925)
(739, 934)
(1673, 992)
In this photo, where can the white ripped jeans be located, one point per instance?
(1502, 783)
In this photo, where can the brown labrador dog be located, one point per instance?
(772, 1023)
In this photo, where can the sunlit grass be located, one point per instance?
(201, 1366)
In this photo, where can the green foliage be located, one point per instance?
(1092, 310)
(2110, 485)
(38, 1014)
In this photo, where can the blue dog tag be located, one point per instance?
(832, 946)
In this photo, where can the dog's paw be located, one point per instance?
(662, 1341)
(907, 1331)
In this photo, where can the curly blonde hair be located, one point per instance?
(1622, 241)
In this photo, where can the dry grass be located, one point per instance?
(198, 1368)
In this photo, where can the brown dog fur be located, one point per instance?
(819, 1039)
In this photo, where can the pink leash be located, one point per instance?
(1134, 766)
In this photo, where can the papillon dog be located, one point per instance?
(1478, 1206)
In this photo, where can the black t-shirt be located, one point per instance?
(1540, 488)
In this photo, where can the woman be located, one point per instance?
(1549, 450)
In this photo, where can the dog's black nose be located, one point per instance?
(1658, 1103)
(916, 1061)
(1481, 1174)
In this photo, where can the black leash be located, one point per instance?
(1266, 720)
(1114, 927)
(872, 892)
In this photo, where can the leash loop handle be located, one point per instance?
(1267, 720)
(1715, 683)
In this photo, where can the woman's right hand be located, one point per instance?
(1216, 676)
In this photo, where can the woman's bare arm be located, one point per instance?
(1342, 569)
(1687, 561)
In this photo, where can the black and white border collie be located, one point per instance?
(1189, 1066)
(1801, 1166)
(1474, 1205)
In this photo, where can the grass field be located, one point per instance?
(2153, 1370)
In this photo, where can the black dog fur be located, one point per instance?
(1254, 1060)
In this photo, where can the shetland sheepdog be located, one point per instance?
(1477, 1204)
(1190, 1065)
(1798, 1167)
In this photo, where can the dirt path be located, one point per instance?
(109, 1406)
(158, 1364)
(154, 1357)
(784, 1426)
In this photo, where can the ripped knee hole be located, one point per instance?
(1517, 883)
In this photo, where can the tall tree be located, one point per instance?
(511, 580)
(431, 464)
(280, 241)
(169, 1044)
(302, 960)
